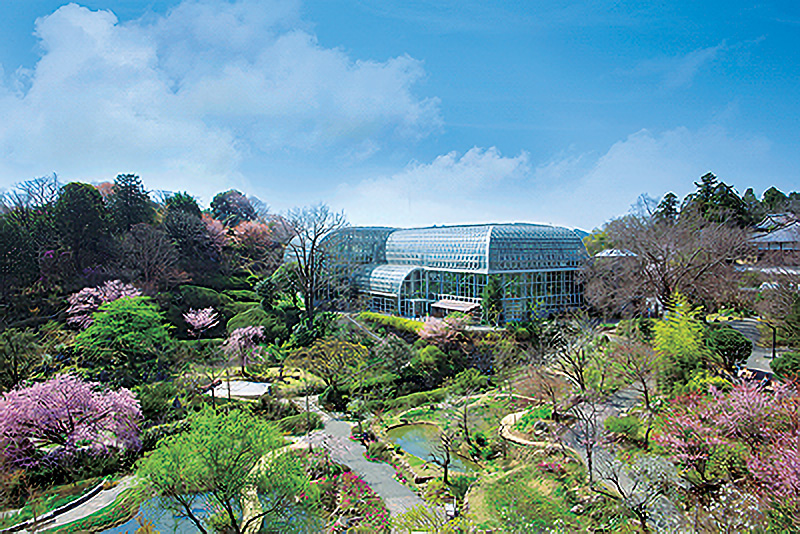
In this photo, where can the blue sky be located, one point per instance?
(405, 112)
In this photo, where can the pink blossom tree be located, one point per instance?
(65, 414)
(442, 332)
(200, 320)
(748, 437)
(244, 344)
(88, 300)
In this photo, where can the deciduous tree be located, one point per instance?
(693, 256)
(307, 251)
(232, 458)
(679, 340)
(126, 340)
(66, 413)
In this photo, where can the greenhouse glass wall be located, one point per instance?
(408, 272)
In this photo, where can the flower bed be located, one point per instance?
(358, 500)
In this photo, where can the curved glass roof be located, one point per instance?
(383, 279)
(487, 248)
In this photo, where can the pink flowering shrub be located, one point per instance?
(357, 499)
(65, 414)
(200, 320)
(84, 303)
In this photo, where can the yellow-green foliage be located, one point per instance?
(679, 339)
(399, 323)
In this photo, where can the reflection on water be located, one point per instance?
(163, 519)
(420, 440)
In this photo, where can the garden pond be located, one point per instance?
(421, 439)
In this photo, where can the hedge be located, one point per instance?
(299, 424)
(399, 323)
(417, 399)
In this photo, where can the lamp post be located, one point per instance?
(774, 335)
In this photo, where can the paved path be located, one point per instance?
(96, 503)
(335, 437)
(664, 516)
(761, 356)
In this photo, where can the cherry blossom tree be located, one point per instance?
(63, 415)
(748, 437)
(84, 303)
(243, 344)
(200, 320)
(443, 332)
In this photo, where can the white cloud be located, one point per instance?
(452, 188)
(679, 71)
(183, 98)
(574, 190)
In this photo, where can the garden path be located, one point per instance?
(335, 437)
(664, 516)
(761, 356)
(95, 504)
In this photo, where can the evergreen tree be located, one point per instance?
(231, 208)
(183, 202)
(774, 200)
(83, 221)
(755, 209)
(129, 203)
(667, 210)
(492, 300)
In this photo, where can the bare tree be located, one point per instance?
(442, 451)
(640, 485)
(310, 225)
(587, 415)
(151, 256)
(654, 259)
(638, 362)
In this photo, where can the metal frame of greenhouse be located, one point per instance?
(406, 272)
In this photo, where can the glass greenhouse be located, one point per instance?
(409, 272)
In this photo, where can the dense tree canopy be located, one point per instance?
(83, 222)
(129, 203)
(126, 340)
(223, 455)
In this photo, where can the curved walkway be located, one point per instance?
(95, 504)
(335, 437)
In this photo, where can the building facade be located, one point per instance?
(412, 272)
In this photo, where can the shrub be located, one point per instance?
(300, 424)
(628, 426)
(398, 323)
(201, 297)
(469, 380)
(158, 401)
(531, 417)
(151, 436)
(732, 347)
(787, 365)
(242, 295)
(274, 329)
(273, 409)
(417, 399)
(333, 398)
(235, 308)
(377, 450)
